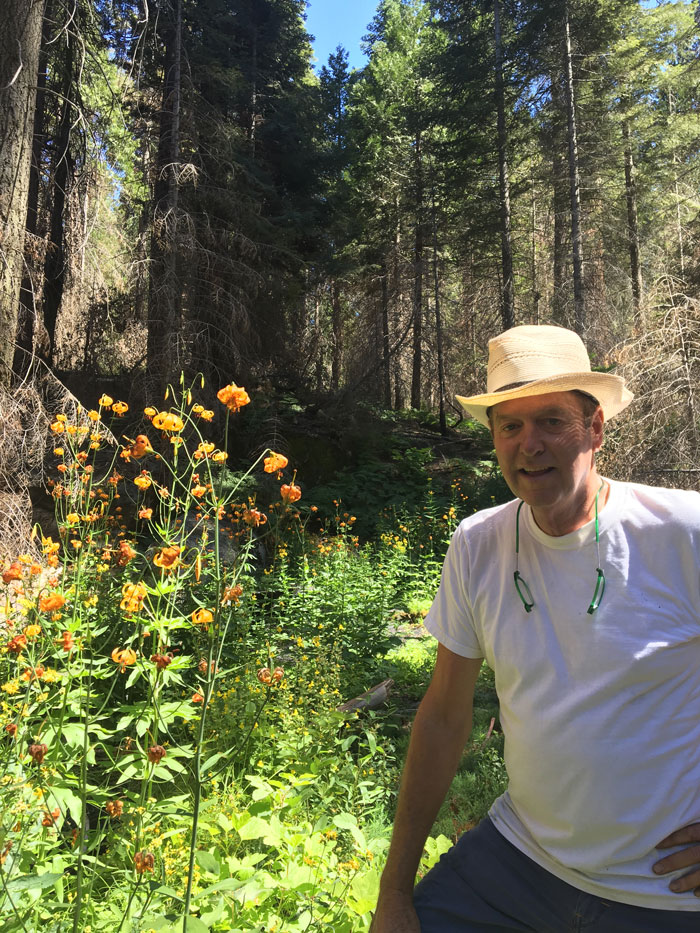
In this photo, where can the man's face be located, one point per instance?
(545, 449)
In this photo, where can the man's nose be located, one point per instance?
(531, 442)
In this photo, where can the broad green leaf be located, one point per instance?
(372, 742)
(67, 800)
(212, 760)
(172, 764)
(348, 821)
(34, 882)
(226, 884)
(73, 734)
(195, 925)
(133, 677)
(168, 891)
(255, 828)
(208, 862)
(364, 891)
(129, 772)
(125, 721)
(224, 822)
(157, 923)
(214, 912)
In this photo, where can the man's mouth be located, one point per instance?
(541, 472)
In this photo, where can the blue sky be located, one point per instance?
(339, 22)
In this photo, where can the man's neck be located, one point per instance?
(555, 522)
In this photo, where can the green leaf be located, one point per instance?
(73, 734)
(125, 721)
(34, 882)
(364, 891)
(208, 862)
(372, 742)
(348, 821)
(212, 760)
(224, 822)
(141, 728)
(133, 677)
(128, 773)
(172, 764)
(168, 711)
(67, 800)
(226, 884)
(195, 925)
(255, 828)
(168, 891)
(158, 923)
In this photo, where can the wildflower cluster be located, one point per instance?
(112, 639)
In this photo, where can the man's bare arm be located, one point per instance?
(440, 731)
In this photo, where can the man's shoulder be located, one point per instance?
(663, 502)
(486, 521)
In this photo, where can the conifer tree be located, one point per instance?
(20, 40)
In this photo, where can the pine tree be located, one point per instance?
(20, 40)
(387, 120)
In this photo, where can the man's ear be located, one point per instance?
(598, 429)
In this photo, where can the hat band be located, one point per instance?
(513, 385)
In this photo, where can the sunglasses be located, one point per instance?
(523, 589)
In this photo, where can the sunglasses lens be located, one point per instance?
(523, 591)
(598, 594)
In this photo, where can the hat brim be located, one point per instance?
(609, 390)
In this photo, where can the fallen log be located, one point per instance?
(370, 699)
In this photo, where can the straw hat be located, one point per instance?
(537, 359)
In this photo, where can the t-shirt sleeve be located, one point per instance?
(450, 618)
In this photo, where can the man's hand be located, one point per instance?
(689, 857)
(395, 914)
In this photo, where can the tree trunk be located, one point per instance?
(164, 292)
(574, 183)
(337, 326)
(438, 322)
(398, 386)
(560, 206)
(30, 333)
(679, 224)
(533, 252)
(20, 42)
(633, 227)
(416, 375)
(386, 350)
(318, 341)
(61, 178)
(254, 88)
(507, 295)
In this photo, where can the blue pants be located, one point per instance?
(485, 884)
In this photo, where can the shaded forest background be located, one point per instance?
(181, 192)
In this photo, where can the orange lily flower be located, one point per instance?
(52, 602)
(290, 493)
(202, 617)
(167, 558)
(124, 657)
(274, 462)
(233, 397)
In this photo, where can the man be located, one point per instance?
(583, 595)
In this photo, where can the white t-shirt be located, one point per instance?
(601, 712)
